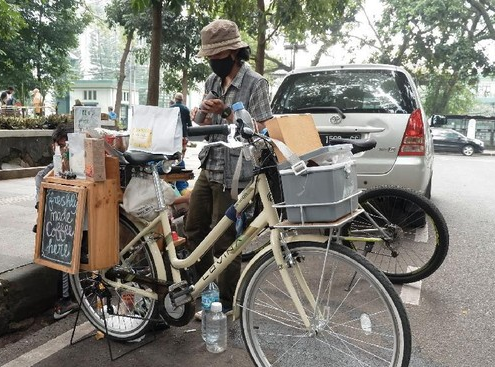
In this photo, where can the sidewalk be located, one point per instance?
(28, 289)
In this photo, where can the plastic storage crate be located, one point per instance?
(323, 193)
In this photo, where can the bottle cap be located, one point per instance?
(238, 106)
(175, 236)
(216, 307)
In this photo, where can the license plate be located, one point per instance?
(326, 137)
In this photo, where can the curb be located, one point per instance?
(8, 174)
(25, 292)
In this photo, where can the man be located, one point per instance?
(7, 100)
(111, 115)
(37, 102)
(185, 115)
(233, 81)
(10, 96)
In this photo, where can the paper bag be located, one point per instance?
(156, 130)
(94, 160)
(298, 132)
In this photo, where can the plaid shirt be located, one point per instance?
(251, 89)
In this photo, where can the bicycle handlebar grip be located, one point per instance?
(207, 130)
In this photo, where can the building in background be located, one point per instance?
(101, 93)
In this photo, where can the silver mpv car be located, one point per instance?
(366, 101)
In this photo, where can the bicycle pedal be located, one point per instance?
(180, 293)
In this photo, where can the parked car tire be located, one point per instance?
(468, 150)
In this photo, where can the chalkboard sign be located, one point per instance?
(60, 219)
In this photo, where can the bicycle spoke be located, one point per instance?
(274, 331)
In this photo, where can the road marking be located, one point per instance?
(411, 293)
(17, 199)
(53, 346)
(421, 234)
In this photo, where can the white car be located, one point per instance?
(366, 101)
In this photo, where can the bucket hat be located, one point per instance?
(218, 36)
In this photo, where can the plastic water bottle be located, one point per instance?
(241, 113)
(216, 332)
(57, 161)
(210, 294)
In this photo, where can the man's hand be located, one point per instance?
(215, 106)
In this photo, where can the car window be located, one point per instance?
(360, 91)
(440, 133)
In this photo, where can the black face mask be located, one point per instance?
(222, 67)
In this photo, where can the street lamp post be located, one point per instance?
(294, 47)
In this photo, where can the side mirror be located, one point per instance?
(438, 120)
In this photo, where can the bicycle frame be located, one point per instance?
(268, 216)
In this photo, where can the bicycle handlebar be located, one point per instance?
(207, 130)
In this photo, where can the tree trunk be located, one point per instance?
(185, 80)
(120, 81)
(261, 39)
(154, 71)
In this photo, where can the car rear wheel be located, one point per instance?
(468, 150)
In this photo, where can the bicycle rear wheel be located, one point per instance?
(256, 245)
(356, 318)
(121, 314)
(420, 237)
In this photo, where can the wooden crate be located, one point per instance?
(102, 208)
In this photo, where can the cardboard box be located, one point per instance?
(94, 160)
(298, 132)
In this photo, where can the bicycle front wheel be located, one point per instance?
(356, 317)
(419, 237)
(119, 313)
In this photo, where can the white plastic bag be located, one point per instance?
(140, 198)
(76, 154)
(156, 130)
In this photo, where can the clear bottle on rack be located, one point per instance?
(241, 113)
(57, 161)
(209, 295)
(216, 329)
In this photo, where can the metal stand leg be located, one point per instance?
(139, 344)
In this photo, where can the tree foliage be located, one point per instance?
(181, 70)
(39, 55)
(9, 14)
(441, 42)
(261, 21)
(156, 7)
(295, 20)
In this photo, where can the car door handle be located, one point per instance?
(350, 129)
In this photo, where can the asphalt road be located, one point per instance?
(452, 326)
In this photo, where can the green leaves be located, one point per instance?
(440, 42)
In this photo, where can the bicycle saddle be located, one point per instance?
(358, 145)
(141, 158)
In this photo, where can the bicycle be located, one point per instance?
(302, 300)
(400, 231)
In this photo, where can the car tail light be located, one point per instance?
(413, 142)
